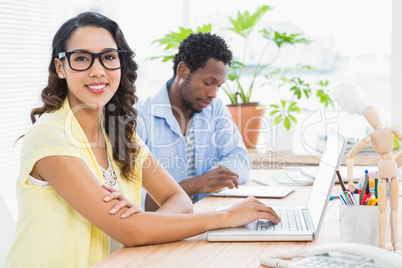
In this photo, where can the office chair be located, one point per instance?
(7, 227)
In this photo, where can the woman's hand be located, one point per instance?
(248, 211)
(123, 203)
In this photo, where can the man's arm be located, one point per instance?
(232, 151)
(231, 165)
(212, 181)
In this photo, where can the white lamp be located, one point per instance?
(349, 97)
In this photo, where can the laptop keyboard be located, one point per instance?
(290, 220)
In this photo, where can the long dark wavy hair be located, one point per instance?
(119, 111)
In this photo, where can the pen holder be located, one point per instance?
(359, 224)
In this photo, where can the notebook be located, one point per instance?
(298, 223)
(256, 191)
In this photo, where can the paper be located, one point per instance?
(256, 191)
(284, 177)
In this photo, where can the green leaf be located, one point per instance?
(300, 81)
(292, 118)
(293, 107)
(296, 91)
(281, 39)
(286, 122)
(307, 90)
(206, 28)
(273, 112)
(240, 92)
(274, 106)
(232, 97)
(283, 103)
(273, 74)
(245, 23)
(292, 104)
(278, 119)
(324, 98)
(284, 79)
(235, 70)
(172, 40)
(307, 67)
(322, 83)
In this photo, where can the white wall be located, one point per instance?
(396, 63)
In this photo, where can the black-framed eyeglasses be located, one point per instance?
(83, 60)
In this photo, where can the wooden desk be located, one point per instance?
(265, 159)
(198, 252)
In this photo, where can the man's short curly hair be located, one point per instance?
(198, 48)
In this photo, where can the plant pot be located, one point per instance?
(247, 118)
(279, 139)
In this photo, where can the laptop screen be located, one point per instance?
(324, 181)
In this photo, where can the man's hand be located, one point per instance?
(210, 182)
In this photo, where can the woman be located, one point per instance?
(83, 137)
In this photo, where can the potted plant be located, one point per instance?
(292, 90)
(246, 113)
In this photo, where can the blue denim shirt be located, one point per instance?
(216, 137)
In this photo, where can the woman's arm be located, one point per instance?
(123, 203)
(160, 185)
(82, 191)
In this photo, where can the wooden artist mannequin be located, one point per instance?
(382, 141)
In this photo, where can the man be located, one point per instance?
(189, 131)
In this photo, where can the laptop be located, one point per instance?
(278, 191)
(297, 223)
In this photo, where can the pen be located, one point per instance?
(348, 201)
(351, 197)
(341, 181)
(364, 188)
(343, 199)
(371, 186)
(366, 179)
(361, 199)
(375, 186)
(366, 199)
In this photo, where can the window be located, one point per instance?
(26, 32)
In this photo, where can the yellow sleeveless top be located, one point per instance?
(49, 232)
